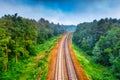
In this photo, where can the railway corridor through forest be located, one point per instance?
(64, 65)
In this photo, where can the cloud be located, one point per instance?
(91, 12)
(36, 12)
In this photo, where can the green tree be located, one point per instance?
(4, 44)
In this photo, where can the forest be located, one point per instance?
(101, 41)
(21, 39)
(18, 39)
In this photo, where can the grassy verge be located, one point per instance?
(46, 46)
(93, 70)
(41, 68)
(30, 68)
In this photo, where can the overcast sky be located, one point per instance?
(62, 11)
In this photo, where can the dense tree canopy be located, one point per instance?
(101, 40)
(19, 35)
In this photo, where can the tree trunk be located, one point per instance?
(16, 55)
(16, 58)
(6, 65)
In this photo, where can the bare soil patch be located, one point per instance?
(53, 56)
(79, 69)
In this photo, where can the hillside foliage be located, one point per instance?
(101, 40)
(19, 36)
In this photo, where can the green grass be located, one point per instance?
(29, 69)
(46, 46)
(40, 70)
(93, 70)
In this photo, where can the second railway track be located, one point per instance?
(64, 54)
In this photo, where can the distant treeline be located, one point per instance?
(69, 27)
(19, 35)
(101, 40)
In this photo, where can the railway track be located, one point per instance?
(64, 54)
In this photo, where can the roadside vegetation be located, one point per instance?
(93, 70)
(100, 40)
(34, 67)
(21, 40)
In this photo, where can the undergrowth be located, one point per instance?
(29, 68)
(93, 70)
